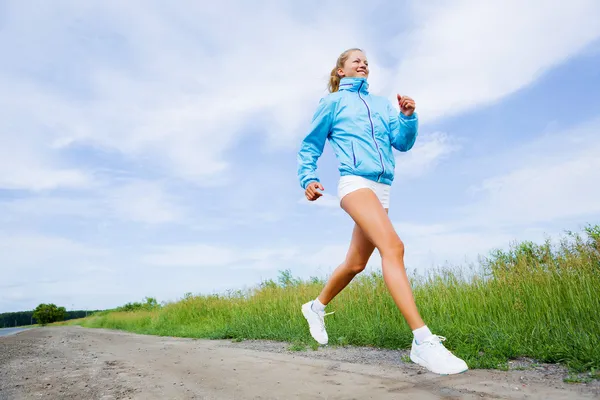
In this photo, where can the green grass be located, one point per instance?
(534, 300)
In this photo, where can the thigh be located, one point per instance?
(368, 213)
(361, 248)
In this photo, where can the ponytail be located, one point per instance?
(334, 79)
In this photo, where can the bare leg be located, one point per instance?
(358, 255)
(368, 213)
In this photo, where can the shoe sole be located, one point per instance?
(304, 311)
(419, 361)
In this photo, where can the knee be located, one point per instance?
(356, 267)
(394, 250)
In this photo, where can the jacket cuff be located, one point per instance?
(412, 117)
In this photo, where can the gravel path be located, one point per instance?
(79, 363)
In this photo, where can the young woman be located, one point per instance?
(363, 129)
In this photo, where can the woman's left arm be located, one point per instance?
(403, 129)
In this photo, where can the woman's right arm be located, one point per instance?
(313, 144)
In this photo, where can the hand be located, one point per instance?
(311, 191)
(407, 105)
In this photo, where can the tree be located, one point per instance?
(48, 313)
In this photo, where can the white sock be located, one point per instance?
(317, 306)
(421, 334)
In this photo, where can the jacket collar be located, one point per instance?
(354, 84)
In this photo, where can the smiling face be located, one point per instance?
(356, 65)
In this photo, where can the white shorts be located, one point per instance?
(350, 183)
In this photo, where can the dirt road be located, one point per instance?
(79, 363)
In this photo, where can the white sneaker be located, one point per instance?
(316, 322)
(432, 355)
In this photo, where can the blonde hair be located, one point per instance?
(334, 78)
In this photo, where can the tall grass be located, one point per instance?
(534, 300)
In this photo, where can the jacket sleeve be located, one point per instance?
(312, 146)
(403, 129)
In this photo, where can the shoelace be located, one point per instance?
(436, 341)
(433, 340)
(322, 319)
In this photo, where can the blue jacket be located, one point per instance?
(361, 128)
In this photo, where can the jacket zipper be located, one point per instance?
(372, 132)
(353, 155)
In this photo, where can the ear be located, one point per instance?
(341, 73)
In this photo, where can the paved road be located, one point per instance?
(79, 363)
(11, 331)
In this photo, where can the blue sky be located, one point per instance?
(150, 150)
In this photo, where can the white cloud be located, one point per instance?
(428, 152)
(163, 90)
(171, 92)
(553, 178)
(204, 255)
(325, 201)
(466, 53)
(39, 178)
(267, 259)
(26, 164)
(31, 259)
(193, 255)
(48, 207)
(145, 202)
(41, 249)
(140, 201)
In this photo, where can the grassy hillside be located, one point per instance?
(535, 300)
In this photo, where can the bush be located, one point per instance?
(49, 313)
(149, 305)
